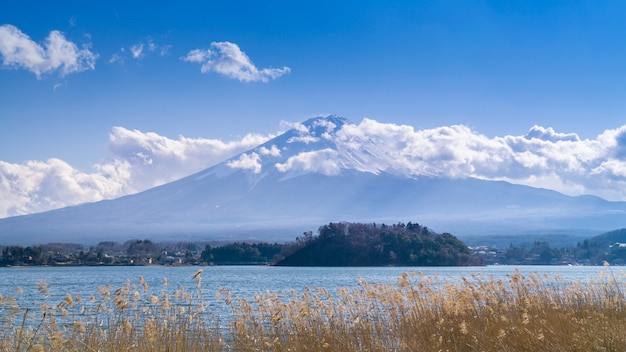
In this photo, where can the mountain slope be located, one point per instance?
(307, 177)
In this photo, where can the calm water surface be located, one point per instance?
(242, 281)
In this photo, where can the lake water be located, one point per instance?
(242, 281)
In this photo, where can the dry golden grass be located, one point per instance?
(519, 313)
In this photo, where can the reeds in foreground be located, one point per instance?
(519, 313)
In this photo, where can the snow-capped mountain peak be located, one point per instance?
(323, 169)
(323, 145)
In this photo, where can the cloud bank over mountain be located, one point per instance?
(541, 158)
(140, 160)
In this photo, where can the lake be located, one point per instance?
(242, 281)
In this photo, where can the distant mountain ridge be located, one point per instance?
(308, 176)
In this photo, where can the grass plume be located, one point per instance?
(418, 313)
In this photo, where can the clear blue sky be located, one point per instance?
(498, 67)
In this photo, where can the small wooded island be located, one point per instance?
(356, 244)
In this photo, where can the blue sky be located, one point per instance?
(497, 67)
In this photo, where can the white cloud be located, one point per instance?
(140, 50)
(542, 158)
(137, 51)
(298, 126)
(57, 53)
(164, 49)
(304, 135)
(612, 168)
(548, 134)
(227, 59)
(140, 160)
(247, 162)
(321, 161)
(117, 58)
(303, 139)
(58, 85)
(272, 151)
(42, 185)
(156, 159)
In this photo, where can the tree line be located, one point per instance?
(335, 244)
(358, 244)
(609, 247)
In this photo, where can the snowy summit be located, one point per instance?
(324, 169)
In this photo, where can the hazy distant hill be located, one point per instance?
(304, 178)
(610, 238)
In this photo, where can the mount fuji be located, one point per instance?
(306, 177)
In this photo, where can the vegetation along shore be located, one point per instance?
(418, 313)
(336, 244)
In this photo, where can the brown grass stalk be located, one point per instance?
(418, 313)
